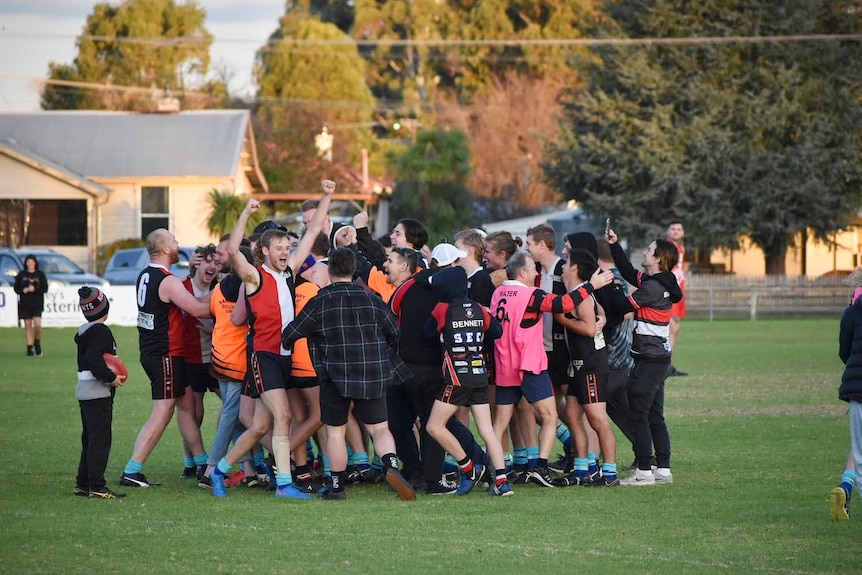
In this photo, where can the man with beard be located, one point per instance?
(161, 300)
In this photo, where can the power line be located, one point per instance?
(442, 43)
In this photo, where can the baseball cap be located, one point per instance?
(268, 225)
(446, 254)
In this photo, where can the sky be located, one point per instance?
(36, 32)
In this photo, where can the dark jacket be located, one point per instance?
(850, 352)
(34, 299)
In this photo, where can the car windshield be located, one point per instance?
(126, 259)
(57, 264)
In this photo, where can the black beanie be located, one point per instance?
(94, 303)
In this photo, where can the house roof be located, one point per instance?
(11, 149)
(97, 144)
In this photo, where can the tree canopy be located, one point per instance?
(172, 53)
(757, 138)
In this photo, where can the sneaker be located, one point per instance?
(595, 475)
(136, 480)
(839, 504)
(37, 347)
(522, 478)
(540, 476)
(205, 483)
(639, 478)
(662, 479)
(81, 492)
(674, 372)
(265, 473)
(356, 475)
(564, 464)
(105, 493)
(32, 353)
(189, 473)
(397, 482)
(329, 495)
(308, 484)
(251, 481)
(217, 483)
(571, 480)
(441, 487)
(502, 490)
(290, 491)
(468, 482)
(605, 482)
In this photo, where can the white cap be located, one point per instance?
(446, 254)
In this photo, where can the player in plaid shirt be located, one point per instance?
(352, 336)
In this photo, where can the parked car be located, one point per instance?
(125, 265)
(58, 268)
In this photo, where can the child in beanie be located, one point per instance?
(95, 393)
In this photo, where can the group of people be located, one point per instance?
(338, 340)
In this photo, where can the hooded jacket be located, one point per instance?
(651, 302)
(850, 352)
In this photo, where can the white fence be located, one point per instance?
(62, 310)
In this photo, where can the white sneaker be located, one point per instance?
(662, 479)
(640, 477)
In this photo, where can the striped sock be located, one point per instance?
(223, 466)
(565, 436)
(532, 455)
(609, 470)
(592, 464)
(581, 466)
(520, 460)
(848, 481)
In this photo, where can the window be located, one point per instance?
(57, 223)
(154, 209)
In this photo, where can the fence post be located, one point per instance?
(752, 312)
(711, 302)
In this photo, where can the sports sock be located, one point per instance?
(565, 436)
(223, 466)
(609, 470)
(520, 458)
(189, 461)
(592, 464)
(500, 477)
(257, 458)
(200, 459)
(326, 469)
(466, 466)
(581, 466)
(532, 455)
(338, 479)
(541, 463)
(508, 459)
(390, 461)
(848, 481)
(376, 463)
(360, 460)
(449, 464)
(133, 467)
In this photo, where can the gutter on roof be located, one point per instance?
(81, 183)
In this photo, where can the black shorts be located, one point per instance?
(167, 376)
(302, 382)
(464, 396)
(28, 311)
(334, 407)
(558, 367)
(589, 387)
(267, 371)
(199, 378)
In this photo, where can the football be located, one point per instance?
(115, 364)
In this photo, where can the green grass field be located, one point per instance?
(759, 437)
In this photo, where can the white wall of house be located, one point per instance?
(22, 181)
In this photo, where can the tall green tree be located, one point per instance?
(151, 44)
(754, 138)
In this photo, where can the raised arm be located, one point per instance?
(246, 271)
(314, 227)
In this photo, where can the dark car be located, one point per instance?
(125, 265)
(58, 268)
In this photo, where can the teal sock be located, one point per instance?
(189, 461)
(283, 479)
(257, 459)
(361, 458)
(609, 470)
(508, 460)
(581, 466)
(520, 458)
(565, 436)
(848, 478)
(326, 469)
(592, 465)
(133, 467)
(377, 463)
(200, 459)
(532, 455)
(223, 466)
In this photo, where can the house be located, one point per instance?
(83, 179)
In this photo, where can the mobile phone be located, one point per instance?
(607, 226)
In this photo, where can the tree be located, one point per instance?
(155, 45)
(431, 183)
(304, 87)
(760, 139)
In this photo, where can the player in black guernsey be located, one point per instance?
(463, 326)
